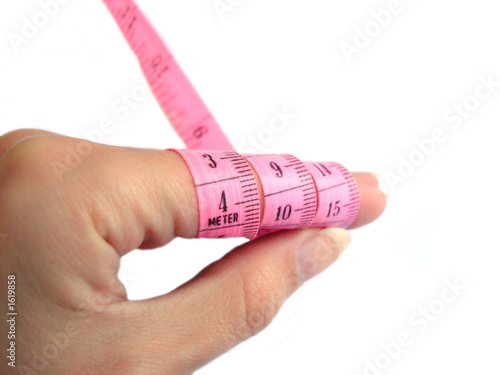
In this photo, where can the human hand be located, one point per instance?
(63, 239)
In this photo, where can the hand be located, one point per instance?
(65, 229)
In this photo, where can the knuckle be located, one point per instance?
(25, 158)
(14, 136)
(27, 147)
(27, 170)
(46, 157)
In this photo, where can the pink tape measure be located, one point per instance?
(296, 194)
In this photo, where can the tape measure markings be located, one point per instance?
(289, 194)
(177, 97)
(336, 189)
(227, 193)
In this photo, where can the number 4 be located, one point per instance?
(223, 203)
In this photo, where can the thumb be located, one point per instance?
(232, 299)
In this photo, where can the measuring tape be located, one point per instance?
(296, 194)
(177, 97)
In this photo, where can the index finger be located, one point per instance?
(138, 198)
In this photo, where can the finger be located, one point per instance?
(232, 299)
(136, 198)
(162, 197)
(11, 138)
(367, 178)
(373, 202)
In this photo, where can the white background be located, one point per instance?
(441, 222)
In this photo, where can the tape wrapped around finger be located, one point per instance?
(296, 194)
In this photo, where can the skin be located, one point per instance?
(63, 237)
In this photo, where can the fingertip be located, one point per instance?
(367, 178)
(373, 203)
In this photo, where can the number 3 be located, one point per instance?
(212, 164)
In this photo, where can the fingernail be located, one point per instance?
(378, 176)
(320, 251)
(384, 192)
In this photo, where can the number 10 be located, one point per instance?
(287, 211)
